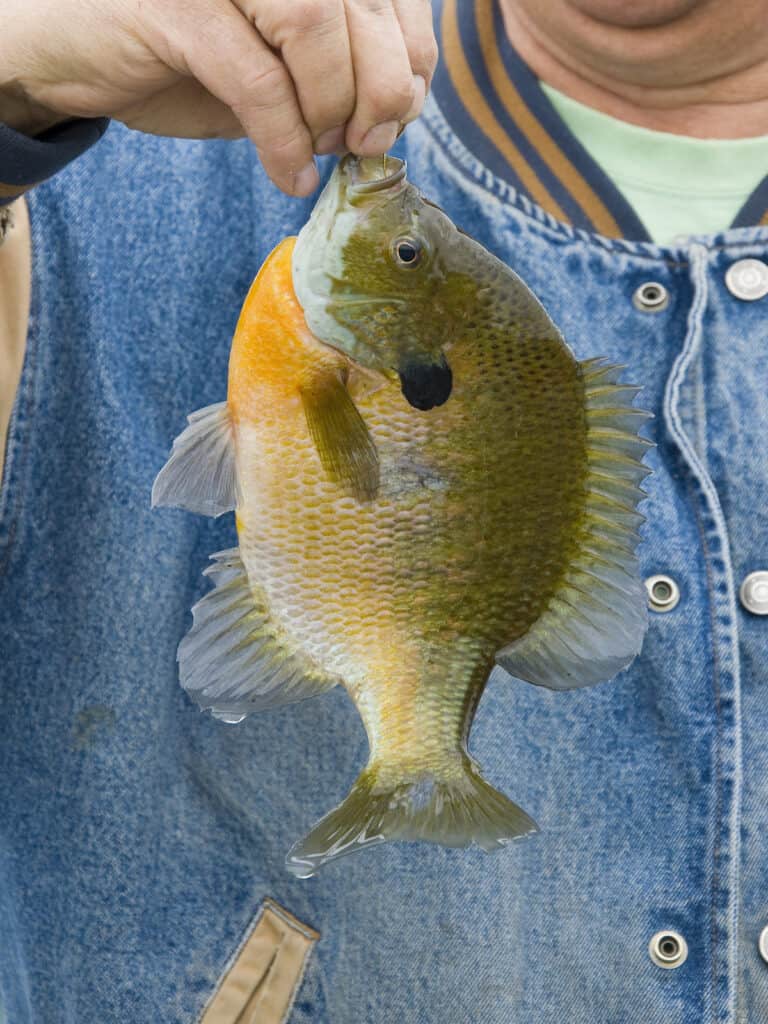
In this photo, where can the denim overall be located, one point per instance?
(139, 837)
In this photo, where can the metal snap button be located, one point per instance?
(747, 279)
(663, 593)
(762, 944)
(651, 297)
(753, 592)
(668, 949)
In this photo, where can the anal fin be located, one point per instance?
(235, 659)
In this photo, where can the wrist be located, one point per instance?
(23, 114)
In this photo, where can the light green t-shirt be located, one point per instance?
(676, 185)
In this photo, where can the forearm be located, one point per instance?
(27, 154)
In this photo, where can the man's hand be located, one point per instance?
(297, 76)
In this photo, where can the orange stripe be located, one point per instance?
(764, 219)
(473, 99)
(542, 142)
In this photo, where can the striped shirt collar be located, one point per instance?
(495, 105)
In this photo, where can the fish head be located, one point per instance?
(374, 272)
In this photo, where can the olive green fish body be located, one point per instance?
(457, 554)
(427, 483)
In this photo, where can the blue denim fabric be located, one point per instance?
(138, 836)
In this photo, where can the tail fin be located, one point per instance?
(459, 811)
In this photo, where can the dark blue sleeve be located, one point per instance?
(26, 161)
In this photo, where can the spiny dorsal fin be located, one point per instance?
(343, 442)
(595, 622)
(200, 473)
(235, 659)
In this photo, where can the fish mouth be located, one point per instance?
(365, 175)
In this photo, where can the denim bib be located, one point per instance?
(141, 841)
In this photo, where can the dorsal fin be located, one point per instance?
(595, 622)
(235, 659)
(200, 473)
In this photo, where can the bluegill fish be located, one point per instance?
(427, 483)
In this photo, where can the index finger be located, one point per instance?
(383, 77)
(415, 17)
(313, 41)
(223, 50)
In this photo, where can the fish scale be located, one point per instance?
(427, 483)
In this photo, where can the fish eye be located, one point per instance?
(407, 252)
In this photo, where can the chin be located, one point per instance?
(638, 14)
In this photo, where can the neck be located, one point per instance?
(691, 67)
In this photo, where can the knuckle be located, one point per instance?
(264, 83)
(391, 99)
(340, 99)
(329, 113)
(424, 56)
(373, 6)
(313, 15)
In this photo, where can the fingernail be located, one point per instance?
(331, 141)
(379, 139)
(306, 180)
(419, 92)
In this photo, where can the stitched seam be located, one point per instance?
(701, 410)
(694, 498)
(694, 336)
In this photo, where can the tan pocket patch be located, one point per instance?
(260, 984)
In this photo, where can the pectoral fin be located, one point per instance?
(343, 441)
